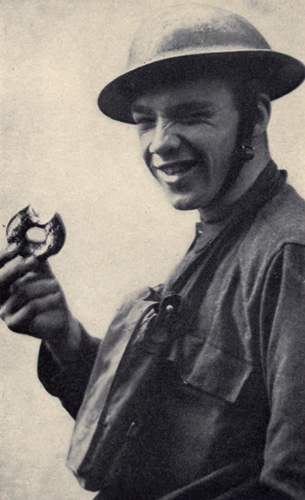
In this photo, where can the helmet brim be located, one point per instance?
(279, 74)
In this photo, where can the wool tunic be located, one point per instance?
(227, 419)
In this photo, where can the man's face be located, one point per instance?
(187, 133)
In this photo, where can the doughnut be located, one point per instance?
(34, 238)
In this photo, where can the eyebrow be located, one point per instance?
(178, 109)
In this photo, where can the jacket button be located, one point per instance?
(169, 309)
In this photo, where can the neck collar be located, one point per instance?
(265, 186)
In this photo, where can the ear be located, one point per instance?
(263, 114)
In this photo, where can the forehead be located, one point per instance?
(201, 90)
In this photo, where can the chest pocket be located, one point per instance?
(216, 372)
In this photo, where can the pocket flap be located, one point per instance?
(218, 373)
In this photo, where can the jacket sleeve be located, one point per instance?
(283, 355)
(68, 383)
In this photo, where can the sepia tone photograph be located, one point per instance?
(152, 261)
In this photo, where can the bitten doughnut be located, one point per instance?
(34, 238)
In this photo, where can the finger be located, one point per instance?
(4, 277)
(26, 293)
(43, 268)
(8, 253)
(12, 271)
(20, 322)
(29, 277)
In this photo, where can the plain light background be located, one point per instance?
(59, 153)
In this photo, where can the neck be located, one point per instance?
(248, 175)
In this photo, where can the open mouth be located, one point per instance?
(179, 167)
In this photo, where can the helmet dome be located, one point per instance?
(189, 40)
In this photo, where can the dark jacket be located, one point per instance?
(228, 422)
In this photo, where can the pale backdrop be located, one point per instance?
(59, 152)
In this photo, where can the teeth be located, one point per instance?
(176, 169)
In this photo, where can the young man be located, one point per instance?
(197, 391)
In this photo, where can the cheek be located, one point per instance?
(146, 155)
(223, 144)
(202, 138)
(144, 141)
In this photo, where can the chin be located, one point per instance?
(181, 203)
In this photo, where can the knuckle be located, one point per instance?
(57, 297)
(54, 285)
(11, 323)
(17, 327)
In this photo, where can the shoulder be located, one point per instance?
(281, 221)
(276, 234)
(284, 215)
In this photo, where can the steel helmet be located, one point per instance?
(189, 39)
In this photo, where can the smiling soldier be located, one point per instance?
(198, 388)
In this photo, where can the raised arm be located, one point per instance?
(33, 303)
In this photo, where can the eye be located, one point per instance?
(144, 122)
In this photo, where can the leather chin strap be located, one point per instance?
(244, 136)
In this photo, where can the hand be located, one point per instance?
(32, 301)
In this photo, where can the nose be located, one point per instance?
(164, 141)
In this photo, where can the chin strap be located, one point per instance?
(243, 150)
(247, 152)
